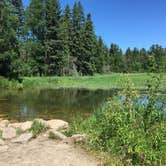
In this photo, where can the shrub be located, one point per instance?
(133, 132)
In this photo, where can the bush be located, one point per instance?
(133, 131)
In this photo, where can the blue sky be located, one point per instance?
(128, 23)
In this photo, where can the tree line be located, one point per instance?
(44, 40)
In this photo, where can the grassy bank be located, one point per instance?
(114, 80)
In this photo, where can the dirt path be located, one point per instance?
(45, 152)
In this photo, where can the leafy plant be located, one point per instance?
(133, 131)
(38, 128)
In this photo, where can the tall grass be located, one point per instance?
(9, 84)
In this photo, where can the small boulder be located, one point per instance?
(4, 123)
(9, 133)
(79, 138)
(2, 142)
(53, 134)
(26, 126)
(57, 124)
(15, 125)
(23, 138)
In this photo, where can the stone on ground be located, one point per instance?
(15, 125)
(57, 124)
(79, 138)
(9, 133)
(23, 138)
(26, 126)
(56, 135)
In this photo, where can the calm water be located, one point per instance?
(48, 104)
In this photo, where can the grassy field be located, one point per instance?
(114, 80)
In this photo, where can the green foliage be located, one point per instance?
(38, 128)
(43, 40)
(9, 84)
(133, 132)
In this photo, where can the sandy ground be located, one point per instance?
(45, 152)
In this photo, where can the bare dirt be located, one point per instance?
(45, 152)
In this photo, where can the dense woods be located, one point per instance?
(44, 40)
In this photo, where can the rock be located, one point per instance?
(78, 138)
(4, 123)
(2, 142)
(15, 125)
(3, 148)
(26, 126)
(53, 134)
(23, 138)
(57, 124)
(9, 133)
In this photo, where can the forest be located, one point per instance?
(45, 40)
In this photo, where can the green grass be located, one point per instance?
(37, 128)
(114, 80)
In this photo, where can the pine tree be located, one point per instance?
(158, 52)
(101, 57)
(78, 20)
(89, 48)
(53, 42)
(35, 20)
(21, 16)
(135, 60)
(8, 40)
(36, 29)
(66, 38)
(116, 58)
(128, 60)
(143, 60)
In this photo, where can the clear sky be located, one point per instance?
(128, 23)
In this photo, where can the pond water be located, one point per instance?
(51, 103)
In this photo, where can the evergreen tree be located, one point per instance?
(35, 20)
(89, 48)
(36, 28)
(116, 58)
(101, 57)
(8, 40)
(53, 42)
(78, 20)
(135, 60)
(158, 52)
(19, 11)
(66, 37)
(143, 60)
(128, 60)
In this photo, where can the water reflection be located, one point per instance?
(60, 103)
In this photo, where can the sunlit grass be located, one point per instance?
(114, 80)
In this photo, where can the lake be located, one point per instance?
(63, 104)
